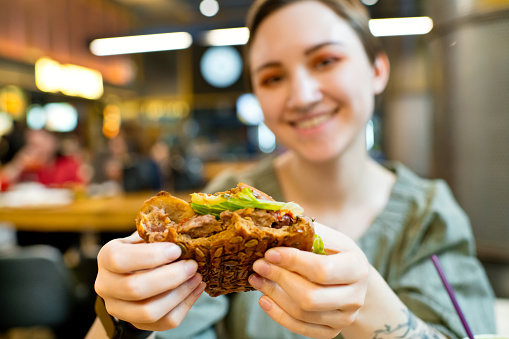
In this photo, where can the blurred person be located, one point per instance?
(41, 160)
(108, 166)
(12, 141)
(126, 167)
(160, 153)
(44, 159)
(316, 70)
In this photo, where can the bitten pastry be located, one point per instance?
(225, 232)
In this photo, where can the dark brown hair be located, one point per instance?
(353, 11)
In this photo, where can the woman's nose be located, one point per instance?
(304, 91)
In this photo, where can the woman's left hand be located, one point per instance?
(310, 294)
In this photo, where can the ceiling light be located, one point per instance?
(226, 36)
(61, 117)
(73, 80)
(141, 43)
(400, 26)
(209, 7)
(266, 139)
(36, 117)
(249, 110)
(5, 123)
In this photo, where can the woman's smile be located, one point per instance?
(313, 121)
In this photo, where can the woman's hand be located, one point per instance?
(310, 294)
(142, 284)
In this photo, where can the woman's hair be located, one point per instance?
(353, 11)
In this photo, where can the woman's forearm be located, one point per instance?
(385, 316)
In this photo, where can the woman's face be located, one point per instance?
(313, 79)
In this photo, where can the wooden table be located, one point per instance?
(112, 214)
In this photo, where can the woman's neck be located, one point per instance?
(340, 179)
(346, 194)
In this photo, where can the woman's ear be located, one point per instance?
(381, 73)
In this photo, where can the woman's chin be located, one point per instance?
(318, 154)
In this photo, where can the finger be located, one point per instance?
(129, 255)
(134, 238)
(329, 316)
(173, 318)
(278, 283)
(298, 326)
(145, 284)
(307, 295)
(342, 268)
(152, 309)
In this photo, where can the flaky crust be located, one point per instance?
(225, 259)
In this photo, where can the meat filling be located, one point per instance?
(262, 218)
(157, 221)
(200, 226)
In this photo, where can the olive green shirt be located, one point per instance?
(421, 218)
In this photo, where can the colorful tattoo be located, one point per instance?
(413, 328)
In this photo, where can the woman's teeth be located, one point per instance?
(313, 122)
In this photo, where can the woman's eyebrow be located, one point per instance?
(267, 65)
(323, 44)
(306, 52)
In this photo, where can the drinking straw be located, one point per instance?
(448, 287)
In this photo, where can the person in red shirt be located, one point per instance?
(40, 161)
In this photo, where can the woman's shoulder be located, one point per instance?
(426, 199)
(419, 190)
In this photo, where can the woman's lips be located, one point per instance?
(313, 121)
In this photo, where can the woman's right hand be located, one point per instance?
(143, 284)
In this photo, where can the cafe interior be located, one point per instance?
(129, 119)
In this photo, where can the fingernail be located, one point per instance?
(256, 281)
(273, 256)
(261, 267)
(199, 289)
(194, 281)
(190, 266)
(173, 251)
(265, 304)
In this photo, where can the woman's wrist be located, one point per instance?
(385, 316)
(116, 328)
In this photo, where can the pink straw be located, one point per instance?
(448, 287)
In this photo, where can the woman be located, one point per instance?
(316, 70)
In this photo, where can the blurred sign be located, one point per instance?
(157, 110)
(72, 80)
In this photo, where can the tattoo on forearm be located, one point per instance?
(413, 328)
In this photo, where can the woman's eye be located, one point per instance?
(271, 80)
(321, 63)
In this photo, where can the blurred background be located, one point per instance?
(120, 127)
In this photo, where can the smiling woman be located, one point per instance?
(322, 84)
(316, 69)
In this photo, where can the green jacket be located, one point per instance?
(421, 218)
